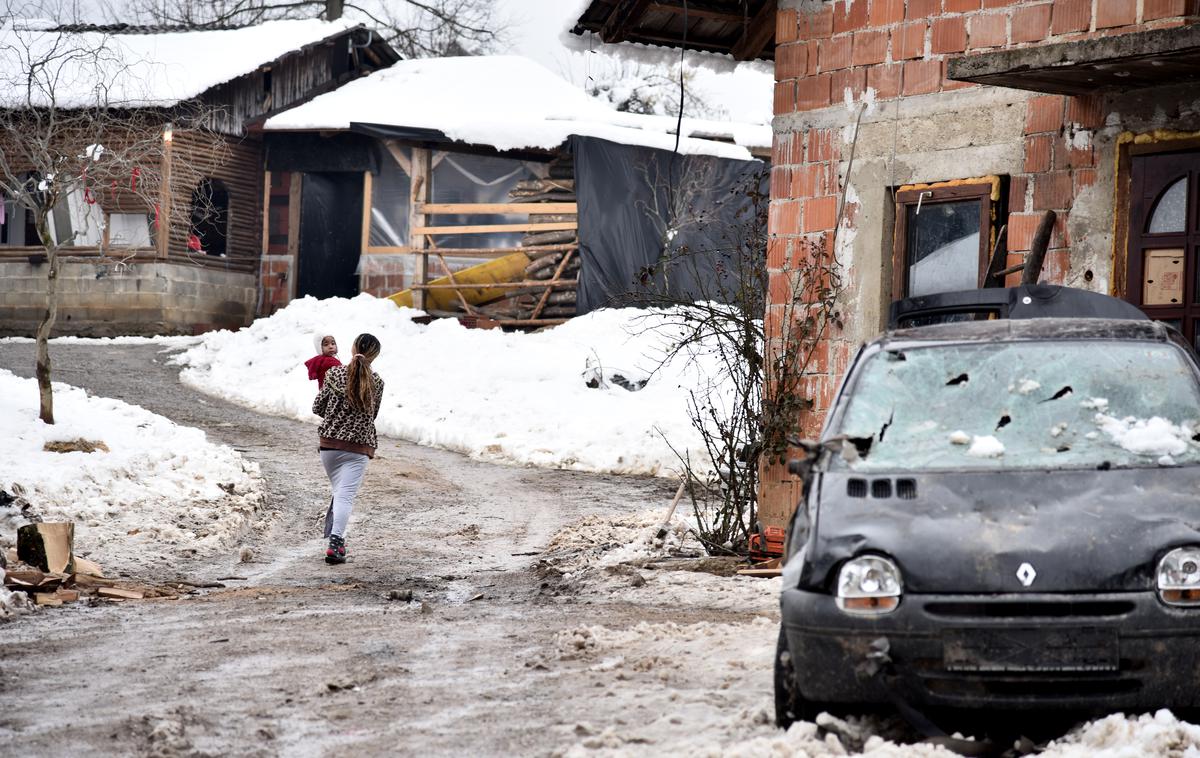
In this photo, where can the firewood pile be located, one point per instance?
(554, 255)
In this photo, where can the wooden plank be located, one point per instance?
(500, 285)
(556, 226)
(162, 221)
(401, 159)
(389, 250)
(475, 252)
(293, 231)
(521, 208)
(266, 212)
(622, 16)
(422, 170)
(366, 214)
(531, 322)
(758, 33)
(117, 592)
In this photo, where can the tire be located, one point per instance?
(790, 705)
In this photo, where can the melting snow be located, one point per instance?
(1155, 436)
(986, 447)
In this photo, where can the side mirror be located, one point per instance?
(801, 466)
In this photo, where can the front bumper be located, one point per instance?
(1155, 660)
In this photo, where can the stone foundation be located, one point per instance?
(105, 299)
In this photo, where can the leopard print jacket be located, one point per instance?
(344, 427)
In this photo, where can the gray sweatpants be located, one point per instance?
(346, 471)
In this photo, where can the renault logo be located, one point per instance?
(1026, 574)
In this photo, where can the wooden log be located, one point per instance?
(532, 322)
(541, 185)
(553, 197)
(48, 545)
(542, 218)
(550, 238)
(1037, 249)
(543, 262)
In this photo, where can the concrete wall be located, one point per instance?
(111, 299)
(886, 60)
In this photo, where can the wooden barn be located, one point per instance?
(454, 183)
(183, 256)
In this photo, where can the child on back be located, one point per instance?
(325, 359)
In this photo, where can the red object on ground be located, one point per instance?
(767, 544)
(318, 365)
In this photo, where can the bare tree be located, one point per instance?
(70, 146)
(415, 28)
(635, 87)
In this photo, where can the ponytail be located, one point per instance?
(360, 387)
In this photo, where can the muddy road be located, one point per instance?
(495, 654)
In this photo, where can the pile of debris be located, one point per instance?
(44, 566)
(554, 255)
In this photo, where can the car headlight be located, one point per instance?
(869, 585)
(1179, 576)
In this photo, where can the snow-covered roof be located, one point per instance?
(505, 102)
(141, 70)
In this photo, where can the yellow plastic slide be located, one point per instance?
(510, 268)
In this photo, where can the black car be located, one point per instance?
(1001, 513)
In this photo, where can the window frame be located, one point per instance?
(943, 192)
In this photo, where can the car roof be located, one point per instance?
(1034, 329)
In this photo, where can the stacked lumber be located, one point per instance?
(554, 255)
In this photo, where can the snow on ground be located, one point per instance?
(502, 396)
(159, 491)
(167, 342)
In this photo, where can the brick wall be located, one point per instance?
(830, 55)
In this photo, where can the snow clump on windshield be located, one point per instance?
(1154, 436)
(986, 447)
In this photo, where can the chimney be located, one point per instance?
(333, 9)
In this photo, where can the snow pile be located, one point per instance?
(140, 70)
(523, 106)
(175, 343)
(13, 604)
(495, 395)
(1155, 436)
(1120, 736)
(158, 490)
(986, 446)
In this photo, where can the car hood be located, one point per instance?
(1081, 531)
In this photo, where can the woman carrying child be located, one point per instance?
(348, 403)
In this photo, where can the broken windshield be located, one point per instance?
(1065, 404)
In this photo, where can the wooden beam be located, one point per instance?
(162, 219)
(422, 172)
(453, 252)
(757, 34)
(266, 212)
(537, 311)
(293, 230)
(366, 214)
(556, 226)
(623, 14)
(398, 154)
(698, 9)
(531, 322)
(522, 208)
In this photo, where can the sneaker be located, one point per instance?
(336, 552)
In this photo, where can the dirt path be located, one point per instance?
(305, 659)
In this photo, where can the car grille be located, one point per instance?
(1030, 609)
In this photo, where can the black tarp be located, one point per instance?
(308, 151)
(654, 223)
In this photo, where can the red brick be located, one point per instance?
(781, 149)
(783, 217)
(806, 180)
(814, 52)
(1086, 110)
(1067, 156)
(923, 9)
(853, 79)
(949, 35)
(781, 181)
(820, 213)
(785, 97)
(908, 41)
(953, 84)
(1038, 151)
(961, 6)
(1155, 9)
(776, 252)
(780, 283)
(812, 92)
(1111, 13)
(1084, 177)
(999, 3)
(1022, 226)
(1031, 23)
(791, 61)
(1070, 16)
(885, 80)
(786, 27)
(1044, 113)
(886, 12)
(1052, 191)
(835, 54)
(817, 24)
(849, 16)
(989, 30)
(1016, 193)
(922, 76)
(869, 48)
(821, 145)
